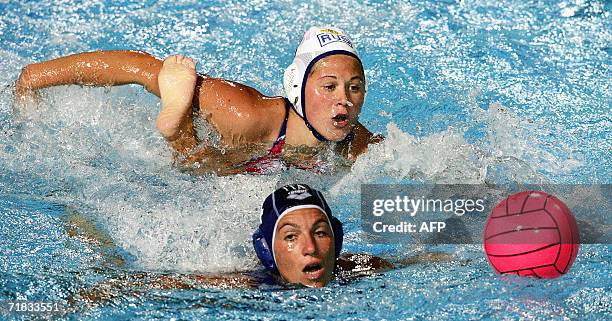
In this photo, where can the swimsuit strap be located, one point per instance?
(349, 138)
(279, 143)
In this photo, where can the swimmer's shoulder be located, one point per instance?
(235, 108)
(353, 265)
(358, 141)
(228, 281)
(359, 264)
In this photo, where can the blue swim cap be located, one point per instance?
(284, 200)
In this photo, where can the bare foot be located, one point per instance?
(176, 80)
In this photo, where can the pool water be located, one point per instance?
(464, 91)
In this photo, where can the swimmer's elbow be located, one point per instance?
(24, 81)
(25, 89)
(24, 71)
(363, 264)
(378, 264)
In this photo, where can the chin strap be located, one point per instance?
(314, 132)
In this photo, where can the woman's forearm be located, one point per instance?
(99, 68)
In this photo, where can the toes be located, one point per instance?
(189, 63)
(173, 59)
(180, 59)
(170, 60)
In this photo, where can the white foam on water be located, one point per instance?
(205, 226)
(509, 153)
(98, 149)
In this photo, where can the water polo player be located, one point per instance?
(299, 240)
(325, 87)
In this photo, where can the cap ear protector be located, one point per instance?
(281, 202)
(317, 43)
(338, 235)
(264, 253)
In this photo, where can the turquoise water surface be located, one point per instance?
(464, 91)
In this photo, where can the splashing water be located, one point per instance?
(464, 91)
(97, 148)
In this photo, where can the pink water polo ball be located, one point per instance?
(531, 234)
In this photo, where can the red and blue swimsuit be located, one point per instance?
(267, 162)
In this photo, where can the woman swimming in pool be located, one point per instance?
(298, 242)
(325, 87)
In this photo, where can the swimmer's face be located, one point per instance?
(334, 94)
(304, 248)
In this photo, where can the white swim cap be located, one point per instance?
(318, 43)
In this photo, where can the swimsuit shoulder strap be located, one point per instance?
(265, 162)
(277, 147)
(283, 129)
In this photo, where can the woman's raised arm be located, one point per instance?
(99, 68)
